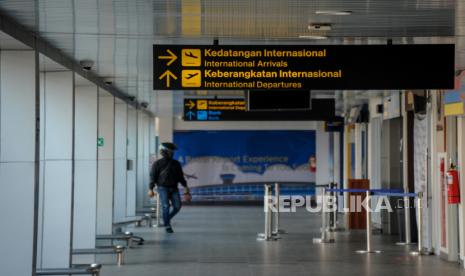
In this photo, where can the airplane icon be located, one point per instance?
(190, 76)
(190, 54)
(191, 57)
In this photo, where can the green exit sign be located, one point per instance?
(100, 142)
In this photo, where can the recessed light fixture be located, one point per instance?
(315, 37)
(319, 27)
(329, 12)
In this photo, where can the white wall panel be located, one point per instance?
(17, 104)
(105, 197)
(17, 157)
(120, 190)
(56, 174)
(179, 124)
(56, 218)
(143, 166)
(17, 230)
(86, 123)
(141, 186)
(85, 174)
(132, 155)
(58, 115)
(165, 116)
(85, 203)
(323, 173)
(105, 165)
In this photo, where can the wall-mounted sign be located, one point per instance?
(454, 103)
(191, 67)
(100, 142)
(235, 110)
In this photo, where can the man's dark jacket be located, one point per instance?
(167, 172)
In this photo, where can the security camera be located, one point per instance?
(131, 98)
(108, 81)
(144, 104)
(319, 27)
(86, 64)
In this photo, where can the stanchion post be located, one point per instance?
(408, 235)
(369, 232)
(277, 194)
(158, 218)
(420, 225)
(407, 229)
(324, 229)
(333, 226)
(267, 234)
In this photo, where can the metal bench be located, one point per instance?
(92, 269)
(126, 236)
(118, 250)
(137, 220)
(138, 239)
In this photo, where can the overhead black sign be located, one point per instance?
(193, 67)
(235, 110)
(262, 100)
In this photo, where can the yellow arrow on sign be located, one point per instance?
(190, 104)
(167, 75)
(171, 56)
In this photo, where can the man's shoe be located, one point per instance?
(169, 230)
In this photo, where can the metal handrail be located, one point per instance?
(92, 269)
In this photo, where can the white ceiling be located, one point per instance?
(118, 34)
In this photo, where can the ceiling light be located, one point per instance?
(319, 27)
(315, 37)
(334, 12)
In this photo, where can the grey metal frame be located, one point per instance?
(92, 269)
(118, 250)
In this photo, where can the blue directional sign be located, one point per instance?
(190, 115)
(202, 109)
(202, 115)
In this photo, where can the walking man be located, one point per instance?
(166, 174)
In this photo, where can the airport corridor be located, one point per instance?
(221, 240)
(115, 113)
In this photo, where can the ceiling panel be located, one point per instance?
(118, 34)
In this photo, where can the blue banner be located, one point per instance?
(251, 151)
(234, 165)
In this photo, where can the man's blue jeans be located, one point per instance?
(169, 195)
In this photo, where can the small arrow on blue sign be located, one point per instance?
(190, 115)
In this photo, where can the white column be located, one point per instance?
(405, 171)
(165, 116)
(346, 168)
(17, 159)
(452, 215)
(323, 174)
(358, 151)
(434, 172)
(337, 157)
(85, 171)
(120, 175)
(106, 118)
(460, 167)
(374, 159)
(337, 165)
(142, 157)
(132, 155)
(55, 223)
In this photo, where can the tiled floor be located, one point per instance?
(222, 241)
